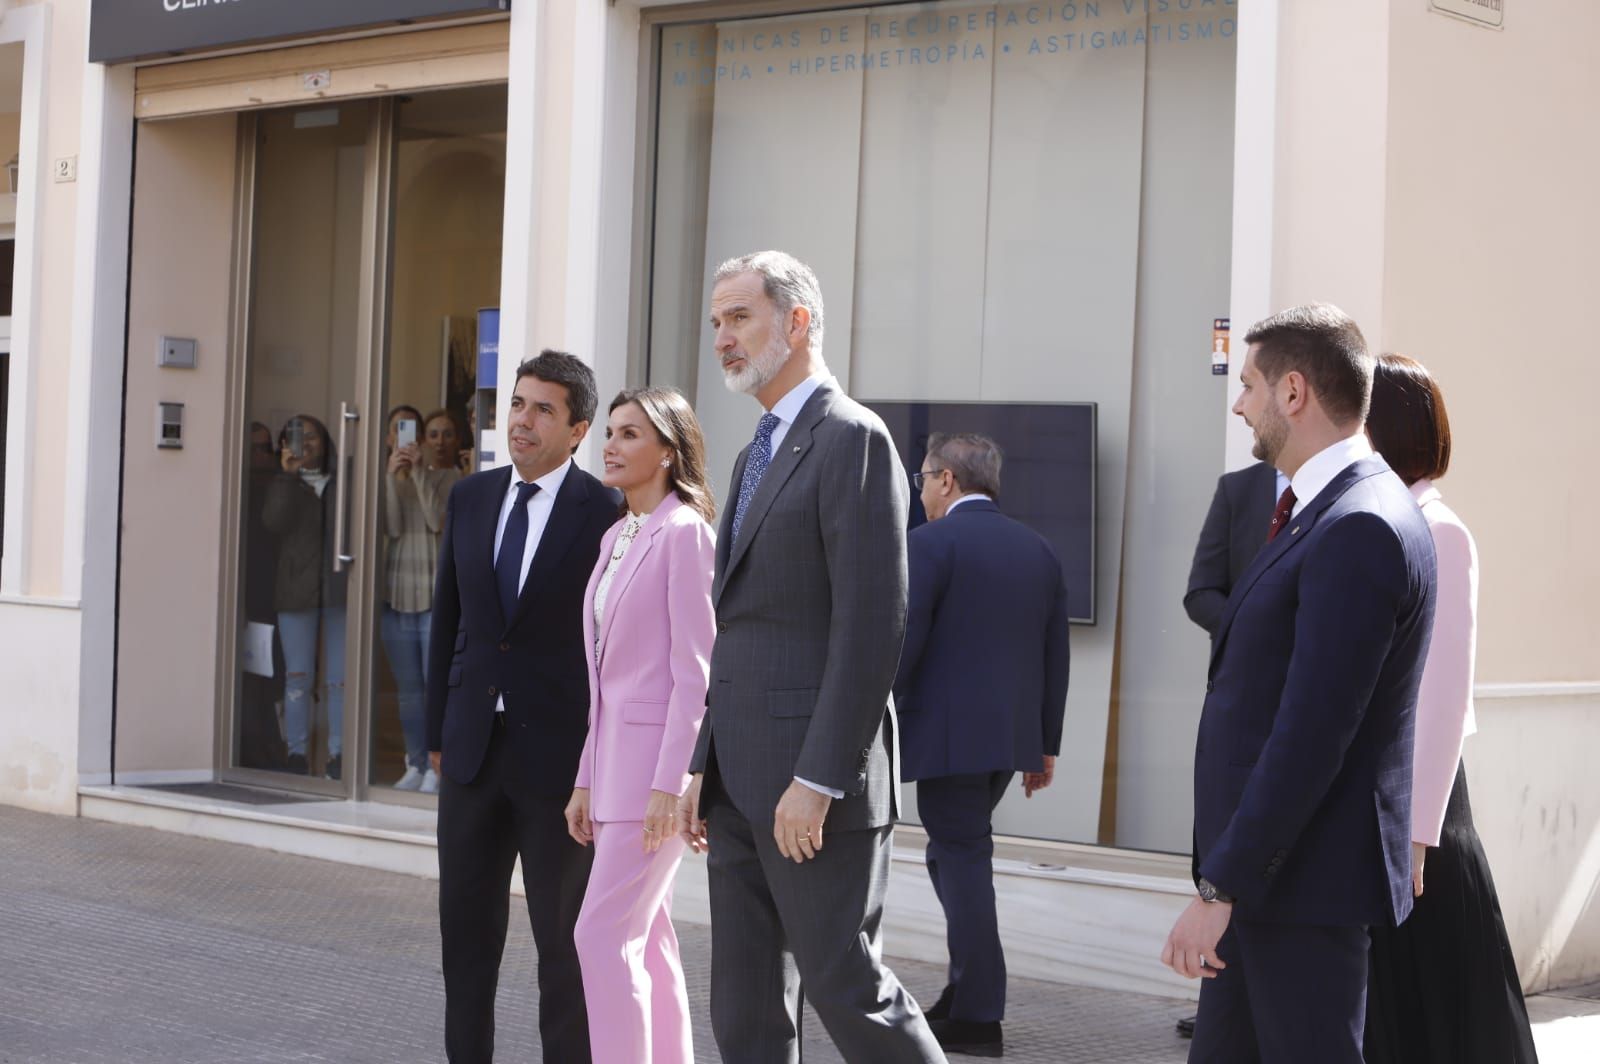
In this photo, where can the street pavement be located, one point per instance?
(125, 945)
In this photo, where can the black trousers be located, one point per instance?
(483, 826)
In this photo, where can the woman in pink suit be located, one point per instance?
(1444, 987)
(649, 624)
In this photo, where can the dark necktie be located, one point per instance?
(755, 467)
(508, 566)
(1281, 515)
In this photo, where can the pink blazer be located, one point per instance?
(1444, 703)
(648, 692)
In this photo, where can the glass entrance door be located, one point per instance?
(449, 196)
(374, 239)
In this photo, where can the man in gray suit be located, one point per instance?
(810, 592)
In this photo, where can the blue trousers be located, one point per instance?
(1291, 994)
(405, 641)
(957, 813)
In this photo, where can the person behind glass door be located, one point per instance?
(1444, 987)
(420, 476)
(648, 619)
(308, 594)
(260, 737)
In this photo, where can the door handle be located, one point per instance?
(342, 556)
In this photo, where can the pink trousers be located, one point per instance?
(632, 977)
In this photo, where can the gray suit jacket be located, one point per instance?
(811, 612)
(1235, 530)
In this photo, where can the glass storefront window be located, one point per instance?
(1005, 203)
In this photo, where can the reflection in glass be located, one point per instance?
(309, 203)
(450, 151)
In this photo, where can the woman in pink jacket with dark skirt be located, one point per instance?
(649, 625)
(1443, 987)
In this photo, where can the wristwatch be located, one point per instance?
(1209, 892)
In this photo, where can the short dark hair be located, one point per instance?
(1408, 423)
(1324, 344)
(974, 460)
(569, 371)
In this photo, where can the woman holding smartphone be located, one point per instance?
(308, 595)
(422, 469)
(649, 625)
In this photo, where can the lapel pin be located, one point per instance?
(797, 448)
(1295, 531)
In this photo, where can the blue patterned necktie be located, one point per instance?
(508, 565)
(755, 467)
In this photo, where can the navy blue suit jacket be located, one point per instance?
(982, 682)
(1302, 783)
(535, 659)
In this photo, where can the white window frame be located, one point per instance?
(30, 27)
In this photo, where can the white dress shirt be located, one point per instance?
(1318, 471)
(786, 410)
(539, 507)
(966, 498)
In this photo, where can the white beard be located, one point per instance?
(759, 369)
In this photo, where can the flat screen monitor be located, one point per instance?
(1047, 479)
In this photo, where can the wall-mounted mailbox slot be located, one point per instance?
(177, 352)
(169, 425)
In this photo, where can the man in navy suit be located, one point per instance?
(1302, 782)
(508, 707)
(981, 691)
(1235, 529)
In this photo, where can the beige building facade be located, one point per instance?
(1014, 209)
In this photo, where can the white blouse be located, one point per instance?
(625, 538)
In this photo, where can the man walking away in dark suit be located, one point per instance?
(981, 693)
(810, 593)
(508, 705)
(1235, 529)
(1302, 784)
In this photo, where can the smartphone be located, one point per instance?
(297, 438)
(405, 432)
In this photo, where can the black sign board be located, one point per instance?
(120, 30)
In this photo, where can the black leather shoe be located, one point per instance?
(940, 1010)
(971, 1039)
(1186, 1027)
(334, 767)
(296, 764)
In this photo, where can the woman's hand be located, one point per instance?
(579, 826)
(1419, 852)
(660, 820)
(400, 462)
(290, 461)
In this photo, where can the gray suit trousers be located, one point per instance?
(835, 904)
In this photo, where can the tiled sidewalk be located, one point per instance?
(124, 945)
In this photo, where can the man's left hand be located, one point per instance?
(797, 822)
(1038, 781)
(1191, 948)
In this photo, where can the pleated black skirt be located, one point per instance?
(1443, 986)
